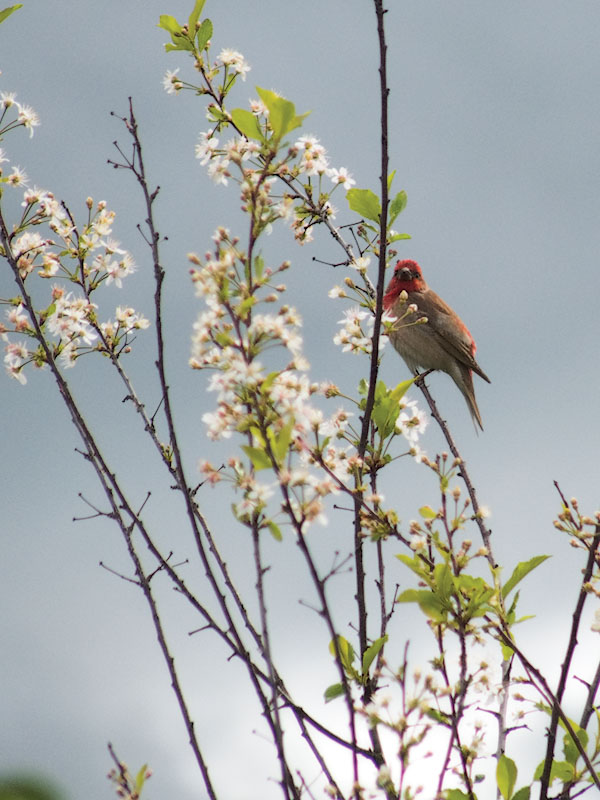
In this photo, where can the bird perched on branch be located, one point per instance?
(442, 342)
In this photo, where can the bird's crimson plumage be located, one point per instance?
(443, 342)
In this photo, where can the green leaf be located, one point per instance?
(245, 306)
(8, 11)
(456, 794)
(245, 121)
(195, 16)
(524, 793)
(397, 236)
(429, 603)
(401, 389)
(281, 443)
(371, 653)
(178, 39)
(390, 180)
(169, 23)
(506, 776)
(346, 652)
(560, 769)
(282, 113)
(507, 651)
(427, 512)
(569, 747)
(397, 205)
(265, 386)
(364, 202)
(214, 114)
(443, 581)
(386, 408)
(333, 691)
(478, 593)
(140, 778)
(439, 717)
(260, 460)
(520, 571)
(385, 413)
(259, 266)
(416, 565)
(275, 531)
(205, 32)
(258, 437)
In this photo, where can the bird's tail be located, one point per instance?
(465, 384)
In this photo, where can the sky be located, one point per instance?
(494, 119)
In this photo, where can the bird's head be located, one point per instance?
(407, 277)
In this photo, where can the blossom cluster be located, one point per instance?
(305, 159)
(85, 259)
(265, 397)
(25, 115)
(232, 61)
(356, 334)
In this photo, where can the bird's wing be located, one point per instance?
(453, 337)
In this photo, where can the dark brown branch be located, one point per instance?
(566, 665)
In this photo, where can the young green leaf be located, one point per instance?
(140, 778)
(397, 236)
(346, 652)
(427, 512)
(265, 386)
(275, 531)
(401, 389)
(560, 769)
(8, 11)
(429, 603)
(260, 460)
(390, 179)
(385, 413)
(280, 443)
(416, 565)
(282, 113)
(506, 776)
(195, 16)
(371, 653)
(364, 202)
(333, 691)
(205, 32)
(259, 266)
(397, 205)
(524, 793)
(520, 571)
(457, 794)
(169, 23)
(245, 121)
(443, 582)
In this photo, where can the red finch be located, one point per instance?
(443, 342)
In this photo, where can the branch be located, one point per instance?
(543, 688)
(483, 529)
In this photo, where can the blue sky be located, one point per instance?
(494, 135)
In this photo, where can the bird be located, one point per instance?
(443, 342)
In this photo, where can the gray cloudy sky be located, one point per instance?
(495, 126)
